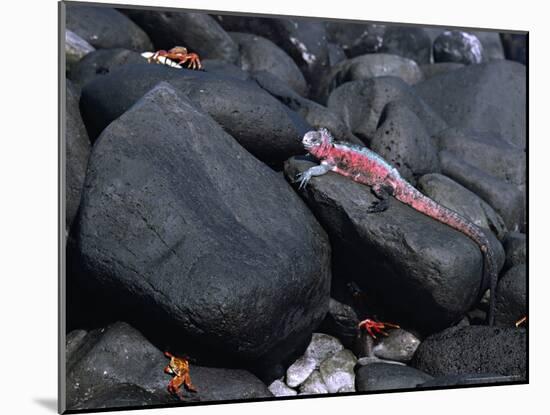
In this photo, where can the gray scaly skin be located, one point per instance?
(365, 166)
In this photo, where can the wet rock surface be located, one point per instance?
(515, 245)
(398, 346)
(205, 262)
(75, 49)
(409, 42)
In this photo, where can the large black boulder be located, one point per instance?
(412, 42)
(118, 366)
(105, 28)
(402, 139)
(265, 127)
(198, 32)
(260, 54)
(360, 105)
(305, 40)
(367, 67)
(101, 62)
(181, 225)
(473, 349)
(421, 272)
(511, 297)
(489, 97)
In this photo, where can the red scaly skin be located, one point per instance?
(365, 166)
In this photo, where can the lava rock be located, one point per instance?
(469, 379)
(179, 223)
(102, 62)
(75, 49)
(335, 54)
(487, 97)
(473, 349)
(515, 46)
(77, 151)
(367, 67)
(224, 69)
(119, 357)
(411, 42)
(492, 45)
(402, 140)
(121, 395)
(198, 32)
(360, 105)
(266, 128)
(356, 38)
(450, 194)
(111, 356)
(511, 296)
(434, 69)
(487, 152)
(399, 346)
(458, 46)
(507, 199)
(341, 322)
(313, 113)
(304, 40)
(515, 246)
(300, 371)
(425, 265)
(337, 372)
(278, 388)
(260, 54)
(384, 376)
(313, 385)
(105, 28)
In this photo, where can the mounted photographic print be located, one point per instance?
(267, 207)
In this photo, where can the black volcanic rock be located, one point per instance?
(458, 46)
(265, 127)
(419, 271)
(77, 153)
(260, 54)
(489, 97)
(105, 28)
(183, 227)
(198, 32)
(473, 349)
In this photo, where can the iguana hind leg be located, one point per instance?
(383, 193)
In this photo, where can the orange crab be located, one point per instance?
(378, 327)
(179, 368)
(179, 55)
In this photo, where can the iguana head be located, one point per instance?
(317, 142)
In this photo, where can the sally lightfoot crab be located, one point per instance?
(179, 368)
(178, 55)
(377, 327)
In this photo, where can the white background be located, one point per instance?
(28, 203)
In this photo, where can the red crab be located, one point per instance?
(378, 327)
(179, 368)
(179, 55)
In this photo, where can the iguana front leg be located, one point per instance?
(319, 170)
